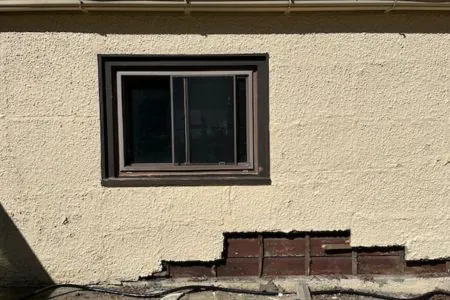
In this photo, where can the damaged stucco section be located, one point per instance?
(359, 138)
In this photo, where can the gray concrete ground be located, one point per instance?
(73, 294)
(288, 287)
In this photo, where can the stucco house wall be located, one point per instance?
(359, 137)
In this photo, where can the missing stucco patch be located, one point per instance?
(269, 254)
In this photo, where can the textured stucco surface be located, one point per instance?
(359, 138)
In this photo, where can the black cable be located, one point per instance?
(202, 288)
(63, 293)
(192, 288)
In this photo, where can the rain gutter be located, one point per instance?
(285, 6)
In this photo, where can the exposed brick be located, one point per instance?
(177, 271)
(239, 267)
(380, 264)
(287, 256)
(379, 251)
(284, 247)
(426, 267)
(318, 250)
(331, 265)
(284, 266)
(239, 247)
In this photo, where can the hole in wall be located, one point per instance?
(271, 254)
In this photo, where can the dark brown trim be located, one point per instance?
(402, 261)
(183, 181)
(354, 262)
(110, 64)
(307, 254)
(103, 142)
(261, 255)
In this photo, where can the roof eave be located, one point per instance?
(220, 6)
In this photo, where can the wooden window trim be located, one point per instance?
(112, 176)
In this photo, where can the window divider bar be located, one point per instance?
(249, 118)
(172, 118)
(120, 120)
(234, 120)
(186, 121)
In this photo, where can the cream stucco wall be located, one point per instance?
(359, 137)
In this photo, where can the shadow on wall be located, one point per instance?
(257, 23)
(18, 264)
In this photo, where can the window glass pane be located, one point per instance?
(211, 119)
(147, 119)
(179, 120)
(241, 116)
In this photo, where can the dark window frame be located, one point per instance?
(109, 65)
(171, 166)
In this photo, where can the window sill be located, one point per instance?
(184, 181)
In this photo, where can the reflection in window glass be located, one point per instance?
(147, 119)
(211, 119)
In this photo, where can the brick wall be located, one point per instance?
(314, 253)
